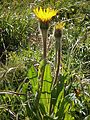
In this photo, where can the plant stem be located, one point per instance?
(57, 66)
(58, 58)
(44, 38)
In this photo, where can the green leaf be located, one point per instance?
(24, 90)
(41, 66)
(47, 79)
(57, 94)
(32, 74)
(68, 117)
(46, 89)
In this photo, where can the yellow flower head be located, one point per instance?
(59, 26)
(45, 15)
(58, 29)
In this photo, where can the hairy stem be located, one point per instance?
(57, 67)
(44, 38)
(58, 58)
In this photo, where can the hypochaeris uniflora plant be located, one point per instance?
(44, 16)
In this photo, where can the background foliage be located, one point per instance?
(21, 53)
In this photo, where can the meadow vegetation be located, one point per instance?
(38, 83)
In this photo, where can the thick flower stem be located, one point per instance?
(44, 38)
(58, 58)
(56, 52)
(57, 67)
